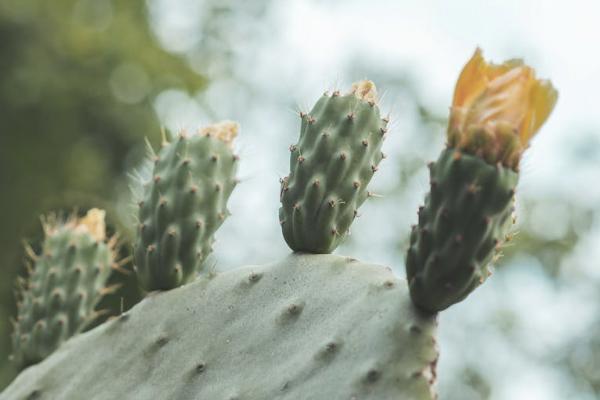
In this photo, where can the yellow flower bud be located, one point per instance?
(224, 130)
(93, 223)
(365, 90)
(497, 109)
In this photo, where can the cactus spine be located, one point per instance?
(183, 205)
(64, 285)
(467, 213)
(336, 156)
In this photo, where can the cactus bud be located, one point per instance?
(184, 205)
(52, 308)
(93, 222)
(336, 156)
(224, 130)
(495, 111)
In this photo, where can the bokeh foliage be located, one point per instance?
(77, 81)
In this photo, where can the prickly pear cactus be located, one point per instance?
(467, 213)
(183, 205)
(466, 216)
(308, 327)
(66, 282)
(312, 326)
(336, 156)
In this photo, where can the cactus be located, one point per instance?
(307, 327)
(183, 205)
(64, 285)
(467, 213)
(311, 326)
(337, 154)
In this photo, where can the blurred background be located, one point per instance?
(83, 82)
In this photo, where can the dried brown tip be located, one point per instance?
(224, 130)
(365, 90)
(93, 222)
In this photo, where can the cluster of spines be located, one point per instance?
(64, 284)
(183, 205)
(338, 152)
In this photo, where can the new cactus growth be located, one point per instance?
(467, 213)
(183, 205)
(65, 283)
(336, 156)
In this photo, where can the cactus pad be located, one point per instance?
(183, 205)
(65, 283)
(336, 156)
(308, 327)
(466, 217)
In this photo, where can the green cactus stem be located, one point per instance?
(496, 110)
(334, 160)
(183, 206)
(64, 285)
(465, 219)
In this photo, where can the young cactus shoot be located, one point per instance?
(184, 204)
(65, 283)
(467, 214)
(338, 153)
(497, 109)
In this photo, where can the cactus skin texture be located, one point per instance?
(307, 327)
(466, 217)
(65, 284)
(337, 154)
(183, 205)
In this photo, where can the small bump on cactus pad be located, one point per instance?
(308, 327)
